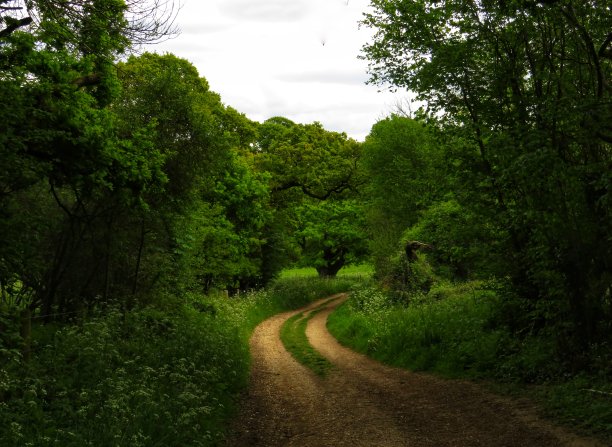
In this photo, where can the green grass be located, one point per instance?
(451, 331)
(293, 336)
(361, 271)
(583, 401)
(365, 270)
(299, 272)
(434, 334)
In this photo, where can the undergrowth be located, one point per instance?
(452, 330)
(160, 376)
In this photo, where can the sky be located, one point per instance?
(290, 58)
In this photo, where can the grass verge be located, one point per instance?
(451, 331)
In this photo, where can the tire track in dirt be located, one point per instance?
(364, 403)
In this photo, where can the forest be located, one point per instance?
(145, 224)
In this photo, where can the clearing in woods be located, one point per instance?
(361, 402)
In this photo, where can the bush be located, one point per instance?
(464, 243)
(143, 378)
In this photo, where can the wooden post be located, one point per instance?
(25, 330)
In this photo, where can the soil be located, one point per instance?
(364, 403)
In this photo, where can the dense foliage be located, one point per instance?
(148, 377)
(519, 100)
(131, 197)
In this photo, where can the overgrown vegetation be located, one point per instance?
(130, 196)
(489, 208)
(506, 172)
(129, 192)
(154, 376)
(457, 330)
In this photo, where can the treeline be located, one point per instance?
(132, 202)
(123, 180)
(506, 173)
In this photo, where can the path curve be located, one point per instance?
(364, 403)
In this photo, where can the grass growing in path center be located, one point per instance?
(293, 336)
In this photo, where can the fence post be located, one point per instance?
(25, 330)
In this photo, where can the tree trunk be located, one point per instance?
(328, 271)
(138, 260)
(333, 263)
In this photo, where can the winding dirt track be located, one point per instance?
(364, 403)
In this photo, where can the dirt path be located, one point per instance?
(364, 403)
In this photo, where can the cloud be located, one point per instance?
(265, 10)
(194, 29)
(265, 58)
(326, 77)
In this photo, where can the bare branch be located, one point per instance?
(403, 108)
(151, 21)
(146, 21)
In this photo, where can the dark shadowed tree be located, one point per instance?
(524, 88)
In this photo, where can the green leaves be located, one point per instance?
(404, 168)
(517, 88)
(307, 158)
(331, 234)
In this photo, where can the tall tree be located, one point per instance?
(308, 159)
(313, 172)
(405, 170)
(61, 147)
(208, 222)
(524, 86)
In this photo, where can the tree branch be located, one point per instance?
(570, 15)
(604, 51)
(337, 189)
(12, 25)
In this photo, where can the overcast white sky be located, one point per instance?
(291, 58)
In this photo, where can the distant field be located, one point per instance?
(306, 272)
